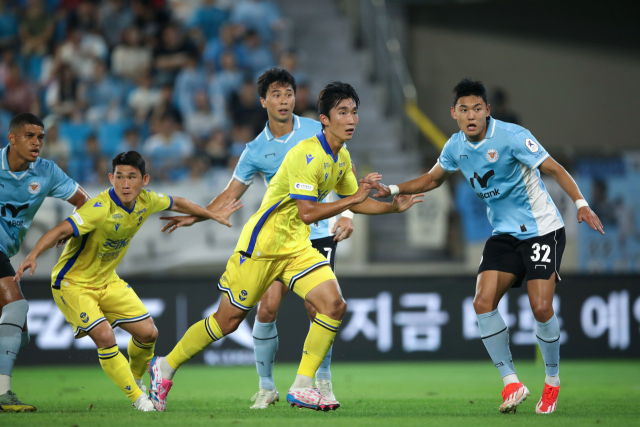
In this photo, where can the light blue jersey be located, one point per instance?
(265, 155)
(22, 193)
(503, 171)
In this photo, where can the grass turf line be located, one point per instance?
(372, 394)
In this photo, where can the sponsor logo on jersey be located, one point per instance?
(34, 187)
(531, 145)
(116, 244)
(492, 155)
(307, 187)
(13, 209)
(489, 194)
(98, 205)
(78, 218)
(341, 165)
(309, 158)
(117, 216)
(482, 180)
(141, 211)
(243, 295)
(327, 165)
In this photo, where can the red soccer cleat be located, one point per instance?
(513, 395)
(548, 401)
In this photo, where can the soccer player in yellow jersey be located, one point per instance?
(85, 285)
(275, 244)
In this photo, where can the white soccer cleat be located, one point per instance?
(513, 395)
(265, 397)
(144, 404)
(329, 401)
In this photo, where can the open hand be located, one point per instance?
(224, 212)
(586, 214)
(383, 190)
(366, 184)
(26, 264)
(177, 221)
(342, 229)
(402, 202)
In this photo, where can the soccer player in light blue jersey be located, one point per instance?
(502, 163)
(263, 155)
(25, 181)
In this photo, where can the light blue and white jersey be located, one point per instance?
(503, 171)
(265, 155)
(22, 193)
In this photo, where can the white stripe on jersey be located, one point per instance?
(544, 212)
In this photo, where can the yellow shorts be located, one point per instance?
(246, 280)
(84, 308)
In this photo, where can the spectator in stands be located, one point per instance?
(190, 79)
(500, 107)
(115, 17)
(81, 50)
(246, 110)
(7, 58)
(207, 18)
(261, 15)
(84, 17)
(172, 54)
(259, 57)
(198, 166)
(19, 95)
(55, 147)
(104, 96)
(169, 149)
(149, 20)
(36, 29)
(63, 96)
(289, 61)
(8, 27)
(88, 165)
(202, 121)
(305, 105)
(241, 134)
(228, 80)
(143, 98)
(131, 58)
(130, 141)
(217, 149)
(216, 47)
(164, 106)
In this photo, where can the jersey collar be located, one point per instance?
(5, 164)
(325, 145)
(116, 200)
(491, 128)
(283, 139)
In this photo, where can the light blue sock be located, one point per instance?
(324, 371)
(11, 323)
(265, 346)
(548, 334)
(24, 339)
(495, 337)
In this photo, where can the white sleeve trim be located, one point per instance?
(242, 181)
(540, 161)
(445, 169)
(73, 193)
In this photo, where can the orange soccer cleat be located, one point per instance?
(513, 395)
(548, 401)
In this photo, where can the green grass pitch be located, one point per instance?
(372, 394)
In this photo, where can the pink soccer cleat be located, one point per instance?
(159, 387)
(308, 397)
(513, 395)
(548, 401)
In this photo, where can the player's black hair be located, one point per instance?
(275, 75)
(334, 93)
(24, 119)
(468, 87)
(129, 158)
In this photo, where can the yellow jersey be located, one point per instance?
(102, 231)
(308, 172)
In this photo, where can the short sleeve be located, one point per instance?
(304, 174)
(245, 169)
(62, 187)
(527, 149)
(348, 184)
(447, 158)
(88, 217)
(159, 202)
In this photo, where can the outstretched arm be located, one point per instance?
(566, 182)
(427, 182)
(185, 206)
(62, 231)
(400, 204)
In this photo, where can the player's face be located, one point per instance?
(27, 142)
(279, 102)
(342, 120)
(127, 182)
(471, 113)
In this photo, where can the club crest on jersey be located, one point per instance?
(531, 145)
(309, 158)
(492, 155)
(243, 295)
(34, 187)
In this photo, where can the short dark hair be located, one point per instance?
(468, 87)
(334, 93)
(24, 119)
(129, 158)
(275, 75)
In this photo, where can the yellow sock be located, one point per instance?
(319, 339)
(116, 367)
(140, 354)
(196, 339)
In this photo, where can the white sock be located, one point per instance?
(167, 371)
(139, 382)
(302, 381)
(510, 379)
(5, 384)
(552, 381)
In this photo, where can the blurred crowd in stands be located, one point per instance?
(172, 79)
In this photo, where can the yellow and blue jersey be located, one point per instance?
(309, 171)
(102, 231)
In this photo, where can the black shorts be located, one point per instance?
(533, 258)
(327, 247)
(6, 269)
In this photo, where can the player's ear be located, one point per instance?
(11, 137)
(324, 120)
(263, 102)
(145, 179)
(453, 113)
(111, 179)
(488, 110)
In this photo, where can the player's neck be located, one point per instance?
(334, 142)
(279, 129)
(15, 163)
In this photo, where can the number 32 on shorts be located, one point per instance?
(537, 249)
